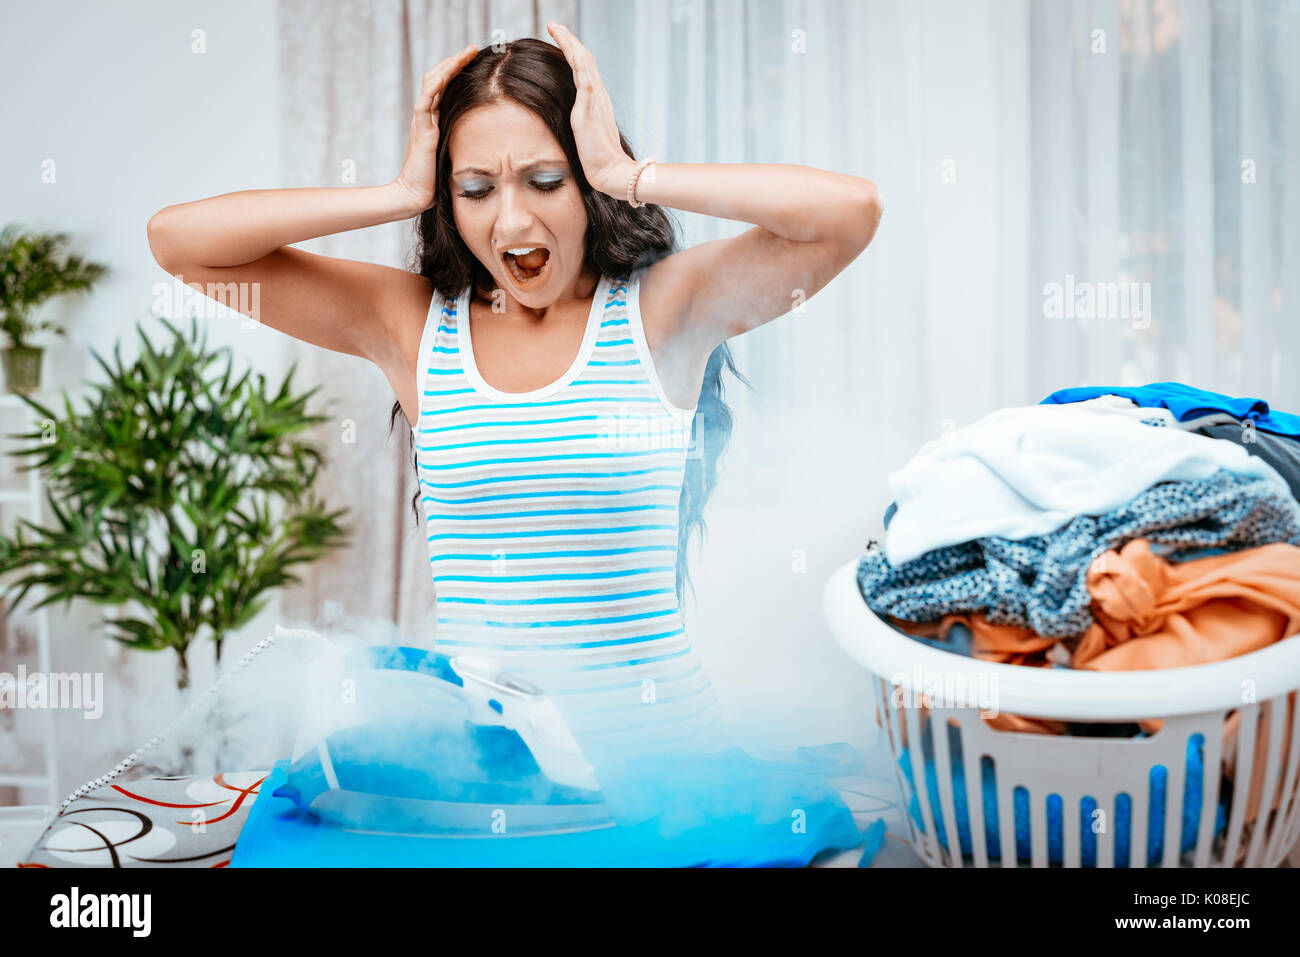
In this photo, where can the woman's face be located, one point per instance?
(511, 191)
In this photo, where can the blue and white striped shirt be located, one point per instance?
(552, 520)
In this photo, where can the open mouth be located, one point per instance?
(527, 264)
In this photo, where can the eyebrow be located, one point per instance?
(523, 169)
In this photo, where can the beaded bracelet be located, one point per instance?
(632, 183)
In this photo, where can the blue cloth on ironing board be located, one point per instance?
(1191, 805)
(726, 809)
(1187, 402)
(875, 837)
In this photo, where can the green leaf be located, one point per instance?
(172, 452)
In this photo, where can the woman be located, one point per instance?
(550, 355)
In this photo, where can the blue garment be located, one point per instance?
(1191, 804)
(1277, 450)
(1186, 402)
(1040, 583)
(875, 838)
(721, 810)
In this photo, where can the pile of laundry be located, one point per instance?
(1104, 529)
(1110, 529)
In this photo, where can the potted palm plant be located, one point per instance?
(177, 498)
(32, 270)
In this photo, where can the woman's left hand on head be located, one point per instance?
(595, 130)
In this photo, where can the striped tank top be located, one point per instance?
(552, 520)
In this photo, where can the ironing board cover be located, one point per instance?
(722, 809)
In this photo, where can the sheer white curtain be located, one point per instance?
(1166, 148)
(1017, 145)
(349, 75)
(930, 101)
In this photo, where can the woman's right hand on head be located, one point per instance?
(419, 174)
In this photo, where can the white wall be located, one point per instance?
(132, 120)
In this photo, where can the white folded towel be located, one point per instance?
(1029, 470)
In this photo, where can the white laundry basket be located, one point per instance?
(1018, 776)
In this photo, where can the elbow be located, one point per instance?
(868, 209)
(158, 245)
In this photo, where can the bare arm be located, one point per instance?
(341, 305)
(245, 237)
(798, 203)
(809, 225)
(237, 228)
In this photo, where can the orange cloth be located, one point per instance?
(1151, 613)
(1005, 644)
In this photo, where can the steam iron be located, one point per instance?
(401, 740)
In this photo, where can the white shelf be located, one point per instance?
(33, 498)
(9, 779)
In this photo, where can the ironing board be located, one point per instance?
(195, 821)
(189, 821)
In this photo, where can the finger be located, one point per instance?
(449, 67)
(428, 101)
(423, 120)
(447, 61)
(571, 40)
(574, 41)
(582, 60)
(561, 40)
(435, 80)
(587, 77)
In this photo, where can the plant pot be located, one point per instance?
(23, 368)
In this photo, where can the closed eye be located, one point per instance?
(544, 186)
